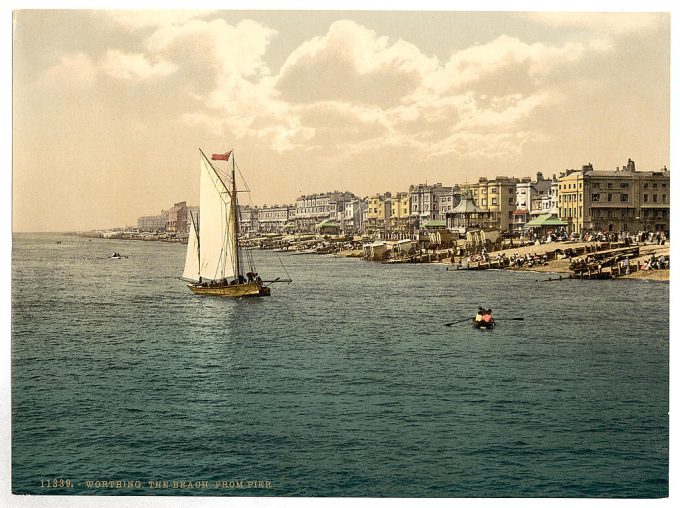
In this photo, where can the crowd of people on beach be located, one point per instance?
(561, 235)
(515, 260)
(656, 263)
(527, 261)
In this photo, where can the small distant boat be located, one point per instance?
(115, 255)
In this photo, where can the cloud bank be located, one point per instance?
(353, 89)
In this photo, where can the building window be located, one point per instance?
(645, 198)
(494, 201)
(624, 185)
(595, 197)
(624, 198)
(654, 198)
(484, 202)
(510, 200)
(663, 198)
(596, 185)
(609, 185)
(646, 185)
(609, 197)
(494, 190)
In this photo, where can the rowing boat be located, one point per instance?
(481, 325)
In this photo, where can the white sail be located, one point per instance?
(218, 242)
(191, 268)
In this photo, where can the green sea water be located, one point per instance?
(342, 383)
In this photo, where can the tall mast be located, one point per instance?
(234, 211)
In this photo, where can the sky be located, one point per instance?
(110, 108)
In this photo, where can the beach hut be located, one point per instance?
(404, 246)
(375, 250)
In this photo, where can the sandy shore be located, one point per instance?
(562, 265)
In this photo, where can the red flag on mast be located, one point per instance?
(221, 156)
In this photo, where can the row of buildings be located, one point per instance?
(586, 199)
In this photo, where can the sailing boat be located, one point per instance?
(214, 262)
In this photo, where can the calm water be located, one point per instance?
(344, 383)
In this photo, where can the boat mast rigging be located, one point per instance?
(235, 214)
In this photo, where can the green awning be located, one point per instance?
(328, 223)
(434, 224)
(289, 225)
(546, 219)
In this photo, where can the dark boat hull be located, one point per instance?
(483, 326)
(249, 289)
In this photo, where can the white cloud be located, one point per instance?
(354, 89)
(352, 63)
(235, 51)
(134, 66)
(73, 70)
(506, 59)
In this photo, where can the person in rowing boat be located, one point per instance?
(487, 317)
(480, 316)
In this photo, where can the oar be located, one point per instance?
(509, 319)
(456, 322)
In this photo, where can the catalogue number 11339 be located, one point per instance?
(55, 483)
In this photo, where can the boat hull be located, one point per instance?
(483, 326)
(249, 289)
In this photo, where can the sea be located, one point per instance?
(345, 382)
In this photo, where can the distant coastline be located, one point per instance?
(553, 262)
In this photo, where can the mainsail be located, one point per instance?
(215, 242)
